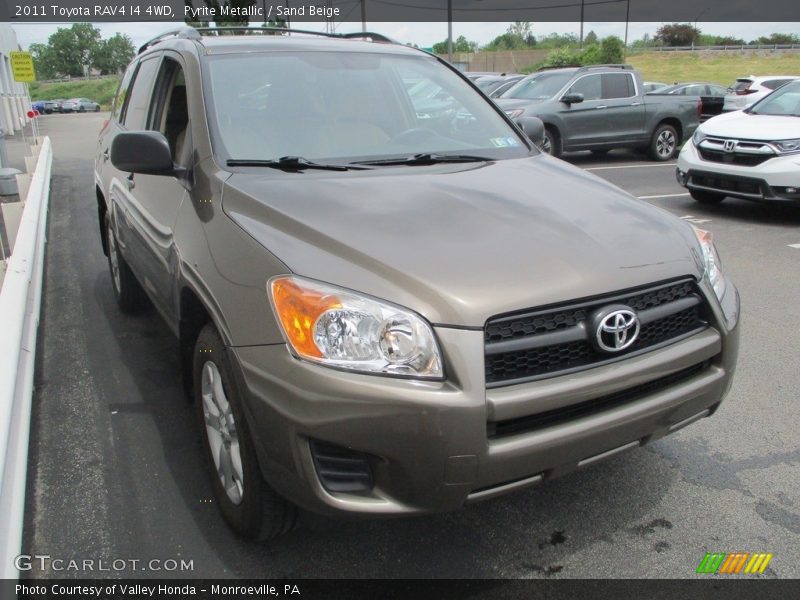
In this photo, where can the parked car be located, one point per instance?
(384, 314)
(490, 83)
(79, 105)
(473, 75)
(750, 154)
(711, 95)
(748, 90)
(652, 86)
(38, 105)
(58, 102)
(503, 88)
(602, 107)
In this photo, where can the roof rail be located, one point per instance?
(189, 33)
(197, 34)
(570, 66)
(589, 67)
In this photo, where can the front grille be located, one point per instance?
(551, 341)
(340, 469)
(565, 414)
(744, 160)
(729, 184)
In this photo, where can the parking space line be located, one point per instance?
(630, 166)
(693, 219)
(794, 246)
(662, 196)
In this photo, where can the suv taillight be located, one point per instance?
(745, 92)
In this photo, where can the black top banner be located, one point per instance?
(263, 11)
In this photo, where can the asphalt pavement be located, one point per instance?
(115, 463)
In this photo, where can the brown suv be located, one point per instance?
(389, 301)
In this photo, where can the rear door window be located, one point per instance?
(617, 85)
(774, 84)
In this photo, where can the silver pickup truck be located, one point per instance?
(602, 107)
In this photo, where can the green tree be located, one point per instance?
(677, 34)
(518, 36)
(779, 38)
(591, 38)
(612, 50)
(114, 54)
(460, 44)
(43, 61)
(71, 48)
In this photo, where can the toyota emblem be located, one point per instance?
(616, 328)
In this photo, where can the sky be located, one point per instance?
(427, 34)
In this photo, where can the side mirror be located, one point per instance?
(573, 98)
(145, 152)
(533, 128)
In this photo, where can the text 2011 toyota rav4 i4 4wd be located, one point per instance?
(387, 312)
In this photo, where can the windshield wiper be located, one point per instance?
(289, 163)
(425, 158)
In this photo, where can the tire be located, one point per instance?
(97, 108)
(664, 143)
(706, 197)
(552, 142)
(128, 292)
(247, 503)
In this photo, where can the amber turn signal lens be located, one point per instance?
(298, 309)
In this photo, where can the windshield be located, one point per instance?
(542, 85)
(783, 102)
(339, 107)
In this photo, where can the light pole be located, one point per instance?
(627, 20)
(450, 31)
(363, 16)
(700, 14)
(581, 24)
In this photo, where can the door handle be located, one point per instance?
(131, 183)
(105, 155)
(636, 103)
(599, 107)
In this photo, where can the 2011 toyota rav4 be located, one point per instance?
(753, 154)
(384, 310)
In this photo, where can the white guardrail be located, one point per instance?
(20, 303)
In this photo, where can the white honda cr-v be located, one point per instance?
(752, 154)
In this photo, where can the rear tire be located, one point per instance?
(128, 292)
(247, 503)
(706, 197)
(664, 143)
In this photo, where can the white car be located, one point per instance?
(752, 154)
(746, 91)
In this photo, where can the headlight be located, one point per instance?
(698, 137)
(787, 146)
(713, 266)
(337, 328)
(513, 114)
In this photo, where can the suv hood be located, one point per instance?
(742, 125)
(511, 103)
(459, 243)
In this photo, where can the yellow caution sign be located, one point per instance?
(22, 66)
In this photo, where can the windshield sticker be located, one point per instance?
(504, 142)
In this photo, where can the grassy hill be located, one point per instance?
(99, 90)
(717, 67)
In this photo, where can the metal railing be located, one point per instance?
(729, 47)
(20, 303)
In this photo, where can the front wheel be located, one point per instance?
(552, 142)
(664, 143)
(249, 506)
(97, 108)
(706, 197)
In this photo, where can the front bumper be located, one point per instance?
(430, 444)
(771, 181)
